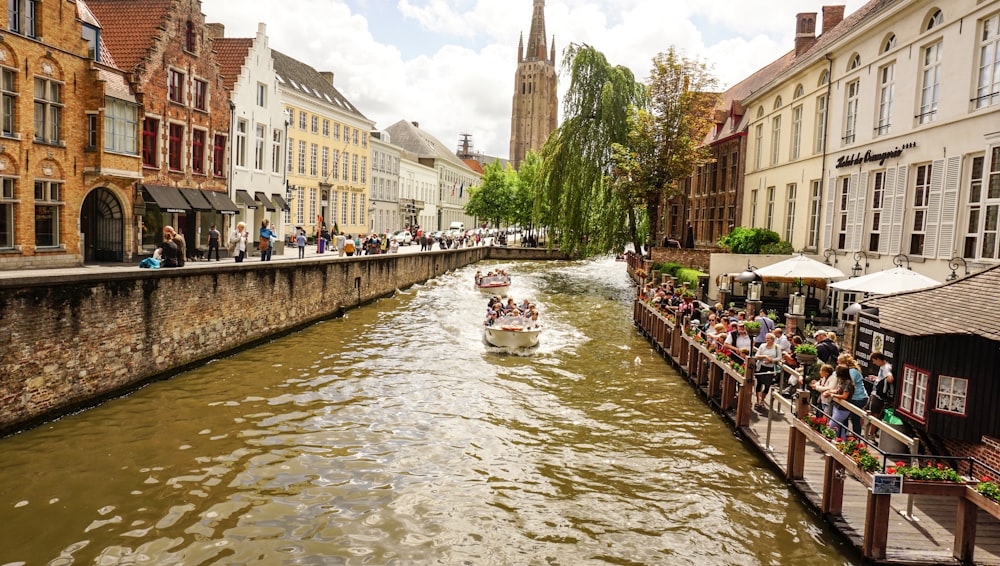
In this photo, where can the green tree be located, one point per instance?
(493, 199)
(579, 205)
(749, 240)
(524, 212)
(665, 141)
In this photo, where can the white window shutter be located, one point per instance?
(898, 210)
(949, 207)
(831, 198)
(888, 206)
(850, 242)
(934, 209)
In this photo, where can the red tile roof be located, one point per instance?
(231, 53)
(130, 27)
(474, 165)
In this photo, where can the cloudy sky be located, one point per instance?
(449, 64)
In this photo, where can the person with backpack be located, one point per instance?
(349, 245)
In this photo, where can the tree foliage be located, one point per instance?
(585, 211)
(664, 143)
(494, 198)
(748, 240)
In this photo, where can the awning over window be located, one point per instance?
(262, 199)
(168, 199)
(280, 202)
(196, 198)
(221, 202)
(245, 199)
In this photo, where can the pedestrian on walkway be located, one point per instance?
(300, 240)
(214, 237)
(238, 242)
(266, 244)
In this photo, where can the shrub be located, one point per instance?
(669, 268)
(749, 240)
(690, 276)
(806, 349)
(751, 325)
(778, 248)
(931, 472)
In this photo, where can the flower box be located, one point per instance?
(987, 504)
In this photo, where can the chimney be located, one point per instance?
(215, 31)
(415, 124)
(805, 32)
(832, 15)
(328, 75)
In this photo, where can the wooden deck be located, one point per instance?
(960, 523)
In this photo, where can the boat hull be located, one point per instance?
(494, 289)
(500, 337)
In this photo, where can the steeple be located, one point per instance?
(520, 48)
(552, 53)
(536, 38)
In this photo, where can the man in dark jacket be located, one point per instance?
(826, 350)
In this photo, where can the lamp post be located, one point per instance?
(898, 260)
(826, 256)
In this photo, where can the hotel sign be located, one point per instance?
(870, 156)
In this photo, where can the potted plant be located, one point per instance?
(688, 296)
(753, 328)
(806, 354)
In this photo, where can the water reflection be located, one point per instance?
(395, 435)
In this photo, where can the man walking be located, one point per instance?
(213, 243)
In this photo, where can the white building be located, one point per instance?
(455, 178)
(258, 129)
(881, 142)
(418, 186)
(384, 211)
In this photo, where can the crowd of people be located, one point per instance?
(523, 315)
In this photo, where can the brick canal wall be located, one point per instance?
(70, 341)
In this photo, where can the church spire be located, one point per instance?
(520, 48)
(536, 38)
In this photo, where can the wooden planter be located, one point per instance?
(991, 506)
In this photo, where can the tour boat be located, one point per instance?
(494, 284)
(511, 333)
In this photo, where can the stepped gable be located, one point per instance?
(298, 76)
(908, 313)
(132, 27)
(231, 54)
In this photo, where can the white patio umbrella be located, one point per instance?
(800, 267)
(893, 280)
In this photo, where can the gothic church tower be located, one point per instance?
(536, 105)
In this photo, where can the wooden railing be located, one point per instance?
(725, 387)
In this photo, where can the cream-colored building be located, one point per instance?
(418, 186)
(881, 142)
(328, 151)
(386, 212)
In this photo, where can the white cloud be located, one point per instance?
(461, 79)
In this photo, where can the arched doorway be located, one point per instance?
(103, 227)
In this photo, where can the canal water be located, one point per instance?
(394, 435)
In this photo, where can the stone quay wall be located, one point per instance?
(68, 342)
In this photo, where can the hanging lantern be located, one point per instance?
(797, 304)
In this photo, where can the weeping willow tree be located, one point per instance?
(665, 143)
(580, 204)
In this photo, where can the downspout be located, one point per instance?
(232, 189)
(826, 137)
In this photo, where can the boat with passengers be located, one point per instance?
(495, 282)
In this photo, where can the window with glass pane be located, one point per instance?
(219, 156)
(790, 197)
(121, 125)
(325, 163)
(313, 151)
(7, 210)
(346, 168)
(988, 83)
(314, 124)
(150, 143)
(259, 141)
(47, 210)
(820, 142)
(875, 214)
(887, 88)
(758, 146)
(198, 151)
(930, 85)
(8, 101)
(851, 113)
(175, 147)
(276, 150)
(200, 95)
(921, 191)
(326, 128)
(952, 394)
(302, 158)
(796, 137)
(175, 86)
(775, 140)
(841, 218)
(913, 393)
(48, 110)
(240, 151)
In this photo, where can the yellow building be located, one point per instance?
(328, 152)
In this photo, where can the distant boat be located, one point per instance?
(494, 284)
(512, 332)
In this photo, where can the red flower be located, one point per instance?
(890, 470)
(900, 464)
(985, 479)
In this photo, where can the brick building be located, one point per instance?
(68, 153)
(165, 47)
(535, 110)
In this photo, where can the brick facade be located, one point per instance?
(51, 171)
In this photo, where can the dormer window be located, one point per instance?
(189, 36)
(92, 36)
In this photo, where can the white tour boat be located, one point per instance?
(494, 284)
(512, 332)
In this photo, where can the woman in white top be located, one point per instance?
(238, 242)
(768, 358)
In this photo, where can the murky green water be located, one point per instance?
(396, 436)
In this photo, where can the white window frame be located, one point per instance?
(815, 209)
(260, 140)
(261, 95)
(791, 195)
(913, 393)
(841, 221)
(240, 149)
(276, 150)
(121, 126)
(49, 194)
(48, 110)
(876, 214)
(769, 209)
(302, 157)
(8, 102)
(952, 395)
(852, 98)
(988, 79)
(776, 139)
(758, 146)
(822, 108)
(795, 149)
(930, 82)
(920, 208)
(887, 93)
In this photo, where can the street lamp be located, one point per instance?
(749, 275)
(899, 259)
(953, 263)
(826, 256)
(797, 304)
(856, 270)
(754, 290)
